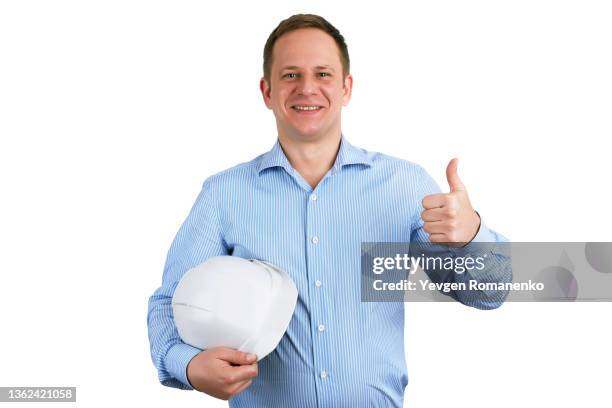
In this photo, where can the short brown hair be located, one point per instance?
(296, 22)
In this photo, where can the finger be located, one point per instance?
(233, 375)
(438, 238)
(436, 227)
(435, 201)
(241, 386)
(438, 214)
(235, 356)
(454, 182)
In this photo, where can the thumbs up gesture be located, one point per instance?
(449, 217)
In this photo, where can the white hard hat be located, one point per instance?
(232, 302)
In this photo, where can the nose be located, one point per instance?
(306, 86)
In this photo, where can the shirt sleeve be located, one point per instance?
(199, 238)
(497, 267)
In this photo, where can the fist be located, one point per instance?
(222, 372)
(449, 217)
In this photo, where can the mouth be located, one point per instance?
(307, 109)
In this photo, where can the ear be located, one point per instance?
(347, 89)
(265, 92)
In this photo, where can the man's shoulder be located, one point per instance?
(403, 179)
(403, 174)
(391, 163)
(239, 173)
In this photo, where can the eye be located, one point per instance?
(290, 75)
(324, 74)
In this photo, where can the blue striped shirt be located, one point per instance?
(338, 351)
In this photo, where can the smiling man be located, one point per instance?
(306, 83)
(306, 206)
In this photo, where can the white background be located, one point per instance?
(112, 114)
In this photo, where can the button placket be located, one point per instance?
(313, 252)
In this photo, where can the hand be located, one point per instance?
(449, 217)
(222, 372)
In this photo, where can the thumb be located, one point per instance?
(454, 182)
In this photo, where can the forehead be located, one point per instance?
(305, 47)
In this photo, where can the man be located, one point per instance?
(306, 206)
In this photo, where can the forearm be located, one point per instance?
(168, 352)
(497, 268)
(494, 267)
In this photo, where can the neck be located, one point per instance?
(313, 158)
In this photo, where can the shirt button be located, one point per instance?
(313, 197)
(321, 327)
(315, 240)
(318, 283)
(323, 374)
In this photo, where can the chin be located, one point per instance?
(307, 134)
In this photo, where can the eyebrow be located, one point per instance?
(294, 67)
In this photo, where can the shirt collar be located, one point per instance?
(347, 155)
(274, 158)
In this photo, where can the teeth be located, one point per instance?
(306, 108)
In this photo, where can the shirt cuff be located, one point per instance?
(484, 235)
(177, 359)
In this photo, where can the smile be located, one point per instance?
(306, 108)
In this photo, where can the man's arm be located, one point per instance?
(198, 239)
(450, 218)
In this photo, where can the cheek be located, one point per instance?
(280, 98)
(334, 93)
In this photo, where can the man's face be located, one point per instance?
(307, 90)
